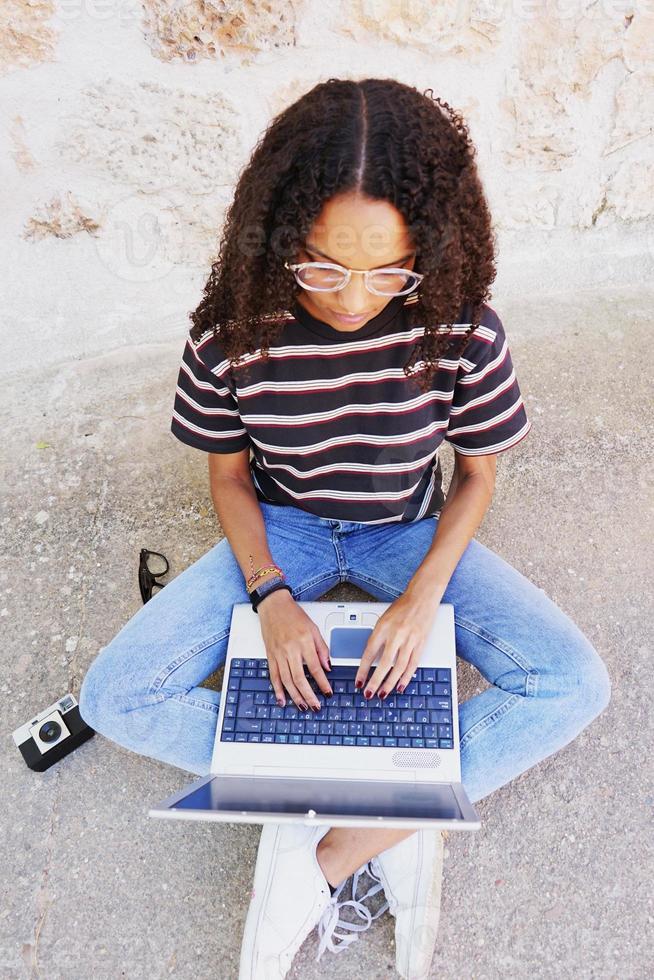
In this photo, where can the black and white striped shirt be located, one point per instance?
(334, 425)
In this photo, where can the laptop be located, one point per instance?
(355, 763)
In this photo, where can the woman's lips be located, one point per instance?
(350, 319)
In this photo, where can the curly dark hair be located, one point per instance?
(382, 139)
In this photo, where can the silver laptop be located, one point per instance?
(355, 763)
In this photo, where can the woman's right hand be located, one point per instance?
(292, 639)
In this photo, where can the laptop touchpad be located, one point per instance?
(348, 642)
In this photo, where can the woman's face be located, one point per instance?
(358, 233)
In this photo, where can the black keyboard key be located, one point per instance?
(247, 725)
(439, 717)
(255, 684)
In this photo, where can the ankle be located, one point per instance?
(328, 862)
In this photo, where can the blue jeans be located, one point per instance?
(547, 680)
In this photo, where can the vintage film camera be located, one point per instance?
(52, 734)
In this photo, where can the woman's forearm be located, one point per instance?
(240, 517)
(467, 501)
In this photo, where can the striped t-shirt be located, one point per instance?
(334, 425)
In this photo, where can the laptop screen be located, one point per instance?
(327, 797)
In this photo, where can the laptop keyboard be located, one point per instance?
(420, 717)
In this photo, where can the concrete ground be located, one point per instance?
(557, 883)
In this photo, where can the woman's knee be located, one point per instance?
(108, 690)
(591, 682)
(93, 696)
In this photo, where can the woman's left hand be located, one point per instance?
(400, 635)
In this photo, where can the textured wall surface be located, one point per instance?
(126, 125)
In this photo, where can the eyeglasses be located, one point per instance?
(327, 277)
(152, 566)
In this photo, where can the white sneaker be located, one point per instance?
(290, 896)
(411, 873)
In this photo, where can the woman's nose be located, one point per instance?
(355, 298)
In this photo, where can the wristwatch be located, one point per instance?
(272, 585)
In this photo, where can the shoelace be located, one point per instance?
(331, 920)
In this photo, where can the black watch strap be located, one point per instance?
(258, 594)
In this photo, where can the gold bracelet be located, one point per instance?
(260, 572)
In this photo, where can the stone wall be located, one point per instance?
(126, 125)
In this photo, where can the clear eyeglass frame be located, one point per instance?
(296, 268)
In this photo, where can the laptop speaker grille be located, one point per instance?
(418, 759)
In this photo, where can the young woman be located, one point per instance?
(343, 335)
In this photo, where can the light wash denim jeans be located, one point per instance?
(548, 681)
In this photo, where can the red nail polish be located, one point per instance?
(382, 694)
(359, 684)
(303, 706)
(281, 702)
(367, 693)
(400, 688)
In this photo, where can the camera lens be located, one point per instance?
(50, 731)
